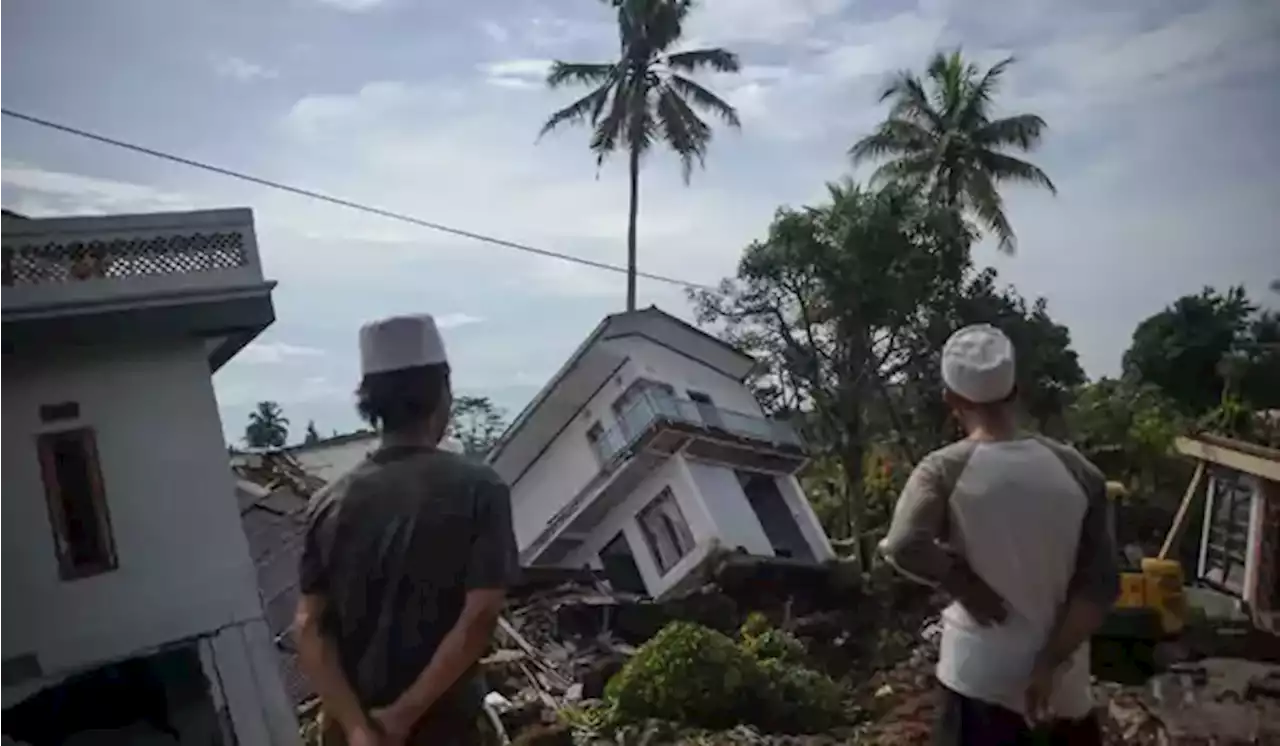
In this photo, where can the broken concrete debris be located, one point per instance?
(565, 636)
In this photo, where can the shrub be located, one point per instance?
(696, 676)
(689, 674)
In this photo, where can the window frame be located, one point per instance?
(656, 506)
(55, 503)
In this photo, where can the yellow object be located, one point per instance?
(1133, 591)
(1163, 592)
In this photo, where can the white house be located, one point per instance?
(131, 607)
(645, 452)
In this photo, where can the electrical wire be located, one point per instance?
(350, 204)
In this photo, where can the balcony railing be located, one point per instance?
(647, 412)
(652, 408)
(70, 260)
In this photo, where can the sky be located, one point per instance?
(1163, 140)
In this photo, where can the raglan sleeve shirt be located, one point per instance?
(913, 545)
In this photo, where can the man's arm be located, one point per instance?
(318, 658)
(914, 546)
(1095, 583)
(317, 653)
(491, 567)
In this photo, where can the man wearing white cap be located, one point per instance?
(1012, 526)
(406, 561)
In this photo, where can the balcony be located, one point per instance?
(651, 429)
(124, 276)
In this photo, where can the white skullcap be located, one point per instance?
(977, 364)
(400, 342)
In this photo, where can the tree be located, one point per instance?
(827, 298)
(313, 436)
(476, 423)
(941, 138)
(1208, 346)
(268, 427)
(645, 96)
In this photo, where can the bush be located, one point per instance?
(689, 674)
(798, 699)
(696, 676)
(767, 643)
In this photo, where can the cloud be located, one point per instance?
(518, 73)
(352, 6)
(496, 32)
(768, 21)
(43, 192)
(274, 353)
(457, 319)
(241, 69)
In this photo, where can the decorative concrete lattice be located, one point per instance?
(72, 261)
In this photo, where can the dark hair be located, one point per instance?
(402, 399)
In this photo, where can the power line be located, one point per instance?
(351, 204)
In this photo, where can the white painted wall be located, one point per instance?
(735, 520)
(661, 363)
(672, 474)
(184, 566)
(566, 466)
(810, 527)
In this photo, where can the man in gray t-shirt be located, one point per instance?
(406, 561)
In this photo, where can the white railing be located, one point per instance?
(78, 260)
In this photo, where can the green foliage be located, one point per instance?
(940, 137)
(268, 427)
(646, 97)
(689, 674)
(695, 676)
(1206, 348)
(477, 424)
(765, 642)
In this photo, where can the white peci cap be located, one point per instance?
(400, 342)
(977, 364)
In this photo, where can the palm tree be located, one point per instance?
(941, 138)
(268, 427)
(645, 96)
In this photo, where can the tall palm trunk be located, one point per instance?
(631, 228)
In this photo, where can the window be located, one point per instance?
(1227, 534)
(706, 409)
(665, 530)
(643, 400)
(595, 436)
(77, 506)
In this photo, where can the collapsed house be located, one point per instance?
(131, 609)
(646, 452)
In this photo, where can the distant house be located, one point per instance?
(131, 607)
(1240, 536)
(645, 452)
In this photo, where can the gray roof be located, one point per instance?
(275, 527)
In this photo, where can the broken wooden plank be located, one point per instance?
(1184, 510)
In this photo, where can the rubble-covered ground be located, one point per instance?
(772, 633)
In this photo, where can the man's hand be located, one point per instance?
(1039, 689)
(364, 735)
(395, 724)
(983, 604)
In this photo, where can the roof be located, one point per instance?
(275, 525)
(588, 353)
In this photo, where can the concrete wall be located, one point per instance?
(566, 466)
(330, 461)
(675, 475)
(810, 527)
(734, 518)
(184, 567)
(659, 363)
